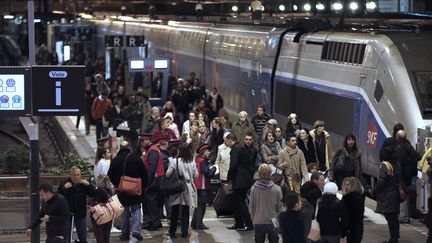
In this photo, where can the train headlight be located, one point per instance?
(371, 5)
(234, 8)
(320, 6)
(337, 6)
(307, 7)
(353, 6)
(281, 7)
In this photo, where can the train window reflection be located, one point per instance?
(424, 87)
(379, 91)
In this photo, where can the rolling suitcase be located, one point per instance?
(223, 202)
(423, 194)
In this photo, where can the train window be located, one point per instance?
(379, 91)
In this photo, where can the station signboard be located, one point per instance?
(128, 41)
(15, 91)
(58, 90)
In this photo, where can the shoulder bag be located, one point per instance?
(174, 184)
(315, 230)
(103, 213)
(403, 194)
(129, 185)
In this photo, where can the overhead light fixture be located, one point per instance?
(320, 6)
(353, 6)
(307, 7)
(37, 20)
(8, 16)
(371, 5)
(281, 7)
(337, 6)
(295, 7)
(234, 8)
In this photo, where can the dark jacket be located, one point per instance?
(345, 164)
(292, 227)
(408, 158)
(332, 216)
(259, 123)
(354, 203)
(307, 212)
(242, 166)
(311, 192)
(77, 197)
(391, 143)
(308, 149)
(114, 118)
(134, 168)
(387, 193)
(133, 115)
(57, 209)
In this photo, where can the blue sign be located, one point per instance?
(14, 91)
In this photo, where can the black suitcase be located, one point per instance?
(223, 202)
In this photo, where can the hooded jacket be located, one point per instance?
(265, 201)
(293, 163)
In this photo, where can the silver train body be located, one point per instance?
(357, 81)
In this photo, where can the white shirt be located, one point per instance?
(186, 127)
(101, 169)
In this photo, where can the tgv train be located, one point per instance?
(358, 80)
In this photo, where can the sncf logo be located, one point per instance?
(58, 74)
(372, 135)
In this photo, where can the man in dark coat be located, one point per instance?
(391, 142)
(312, 190)
(259, 121)
(129, 164)
(76, 191)
(241, 171)
(407, 157)
(387, 193)
(55, 212)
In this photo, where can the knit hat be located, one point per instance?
(225, 135)
(202, 147)
(331, 188)
(272, 122)
(169, 115)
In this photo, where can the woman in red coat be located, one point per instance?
(164, 131)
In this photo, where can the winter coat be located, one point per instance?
(265, 201)
(188, 172)
(292, 227)
(134, 168)
(354, 203)
(308, 149)
(282, 142)
(114, 117)
(311, 192)
(307, 212)
(59, 216)
(408, 159)
(99, 107)
(332, 216)
(148, 124)
(77, 197)
(223, 161)
(270, 152)
(168, 134)
(327, 160)
(293, 163)
(387, 192)
(241, 129)
(346, 163)
(133, 115)
(242, 166)
(216, 138)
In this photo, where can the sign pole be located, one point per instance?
(33, 133)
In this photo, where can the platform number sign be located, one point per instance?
(58, 90)
(121, 41)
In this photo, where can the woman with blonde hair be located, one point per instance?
(354, 199)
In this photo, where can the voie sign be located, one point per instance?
(58, 90)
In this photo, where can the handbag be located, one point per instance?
(103, 213)
(174, 184)
(403, 194)
(129, 185)
(315, 230)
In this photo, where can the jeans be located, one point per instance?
(81, 229)
(242, 216)
(330, 239)
(184, 219)
(133, 212)
(393, 225)
(261, 230)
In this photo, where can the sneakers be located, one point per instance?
(137, 236)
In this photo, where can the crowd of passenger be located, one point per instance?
(291, 173)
